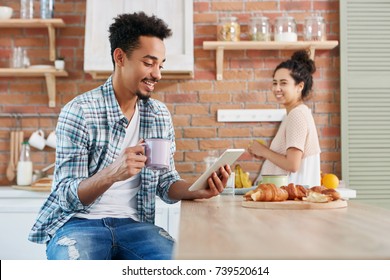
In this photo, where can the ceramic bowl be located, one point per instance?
(277, 180)
(5, 12)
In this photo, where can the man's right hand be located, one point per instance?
(130, 162)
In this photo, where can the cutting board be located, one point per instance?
(294, 204)
(35, 189)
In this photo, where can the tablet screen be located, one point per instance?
(228, 157)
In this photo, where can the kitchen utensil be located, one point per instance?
(38, 174)
(11, 165)
(17, 148)
(18, 144)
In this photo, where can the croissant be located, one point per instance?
(267, 192)
(331, 193)
(295, 192)
(318, 189)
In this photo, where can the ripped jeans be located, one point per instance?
(109, 239)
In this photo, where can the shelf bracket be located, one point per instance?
(312, 53)
(220, 51)
(51, 88)
(52, 42)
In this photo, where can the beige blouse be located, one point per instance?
(297, 130)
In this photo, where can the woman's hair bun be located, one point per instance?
(302, 57)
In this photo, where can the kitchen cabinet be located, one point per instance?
(50, 74)
(221, 46)
(18, 211)
(178, 14)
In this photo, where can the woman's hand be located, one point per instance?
(257, 149)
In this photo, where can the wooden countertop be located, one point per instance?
(220, 228)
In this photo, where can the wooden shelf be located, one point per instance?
(49, 74)
(50, 24)
(166, 75)
(220, 46)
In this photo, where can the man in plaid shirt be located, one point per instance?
(102, 204)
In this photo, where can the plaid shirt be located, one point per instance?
(90, 132)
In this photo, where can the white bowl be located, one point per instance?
(5, 12)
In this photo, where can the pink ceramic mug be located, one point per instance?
(157, 151)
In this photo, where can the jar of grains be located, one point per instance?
(228, 29)
(259, 29)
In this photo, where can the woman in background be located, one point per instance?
(295, 150)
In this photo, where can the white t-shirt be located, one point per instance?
(120, 200)
(297, 130)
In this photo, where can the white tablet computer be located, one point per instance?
(228, 157)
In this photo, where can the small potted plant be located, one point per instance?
(59, 63)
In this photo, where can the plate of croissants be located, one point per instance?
(268, 196)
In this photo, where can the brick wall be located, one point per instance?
(193, 103)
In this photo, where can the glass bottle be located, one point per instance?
(228, 29)
(285, 29)
(47, 8)
(314, 28)
(26, 9)
(259, 29)
(24, 168)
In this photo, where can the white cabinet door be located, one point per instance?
(14, 244)
(178, 14)
(18, 211)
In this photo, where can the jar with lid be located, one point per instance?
(47, 8)
(285, 29)
(314, 28)
(228, 29)
(25, 167)
(26, 9)
(259, 29)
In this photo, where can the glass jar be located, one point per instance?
(26, 9)
(228, 29)
(259, 29)
(314, 28)
(285, 29)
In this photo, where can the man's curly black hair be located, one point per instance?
(127, 28)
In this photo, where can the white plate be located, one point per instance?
(41, 66)
(243, 191)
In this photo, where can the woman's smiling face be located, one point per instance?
(284, 88)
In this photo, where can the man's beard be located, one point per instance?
(142, 96)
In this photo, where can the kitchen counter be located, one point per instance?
(220, 228)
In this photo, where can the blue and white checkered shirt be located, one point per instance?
(90, 132)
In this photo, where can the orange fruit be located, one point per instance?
(330, 181)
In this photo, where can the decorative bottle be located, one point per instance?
(26, 9)
(25, 167)
(47, 8)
